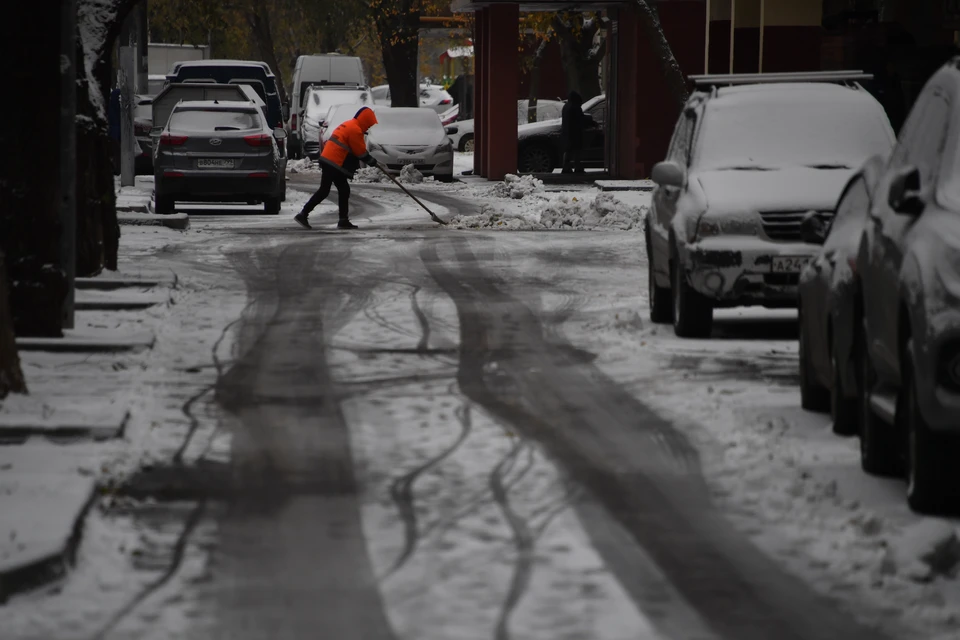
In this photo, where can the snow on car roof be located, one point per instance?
(225, 105)
(818, 90)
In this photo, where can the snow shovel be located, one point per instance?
(417, 200)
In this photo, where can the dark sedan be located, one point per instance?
(828, 292)
(218, 152)
(540, 149)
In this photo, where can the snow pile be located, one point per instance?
(923, 551)
(367, 175)
(516, 187)
(304, 165)
(604, 211)
(494, 219)
(410, 175)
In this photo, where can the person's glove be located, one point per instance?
(370, 161)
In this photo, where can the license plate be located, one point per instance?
(214, 163)
(410, 161)
(789, 264)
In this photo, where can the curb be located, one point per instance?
(49, 568)
(179, 221)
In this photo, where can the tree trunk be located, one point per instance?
(532, 97)
(30, 175)
(399, 34)
(11, 377)
(259, 20)
(581, 66)
(650, 21)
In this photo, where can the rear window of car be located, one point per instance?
(213, 120)
(319, 102)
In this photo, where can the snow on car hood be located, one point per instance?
(790, 189)
(534, 128)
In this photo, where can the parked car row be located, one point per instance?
(793, 191)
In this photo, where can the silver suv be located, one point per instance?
(746, 163)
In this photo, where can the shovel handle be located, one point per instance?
(415, 198)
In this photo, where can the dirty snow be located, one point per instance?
(303, 165)
(517, 187)
(368, 175)
(410, 175)
(581, 212)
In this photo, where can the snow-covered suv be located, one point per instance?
(746, 163)
(909, 270)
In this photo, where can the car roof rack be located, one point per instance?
(848, 77)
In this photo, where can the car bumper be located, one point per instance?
(738, 270)
(428, 165)
(219, 186)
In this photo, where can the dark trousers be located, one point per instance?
(572, 158)
(331, 177)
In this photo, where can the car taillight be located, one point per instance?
(259, 174)
(446, 101)
(293, 122)
(258, 140)
(169, 140)
(172, 174)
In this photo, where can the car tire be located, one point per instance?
(661, 311)
(536, 158)
(813, 396)
(844, 411)
(879, 455)
(271, 206)
(692, 312)
(466, 143)
(283, 190)
(444, 177)
(165, 205)
(933, 479)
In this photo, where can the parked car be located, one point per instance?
(909, 268)
(317, 104)
(256, 74)
(432, 96)
(155, 84)
(829, 292)
(218, 151)
(540, 149)
(411, 136)
(745, 163)
(324, 70)
(462, 132)
(142, 124)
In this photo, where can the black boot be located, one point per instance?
(346, 224)
(301, 219)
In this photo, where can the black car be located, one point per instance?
(828, 294)
(540, 149)
(256, 74)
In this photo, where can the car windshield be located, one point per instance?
(338, 115)
(767, 131)
(407, 126)
(319, 102)
(213, 120)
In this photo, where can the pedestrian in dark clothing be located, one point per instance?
(573, 122)
(113, 124)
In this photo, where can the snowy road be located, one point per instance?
(438, 434)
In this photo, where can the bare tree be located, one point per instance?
(657, 39)
(11, 377)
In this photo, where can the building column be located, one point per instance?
(480, 53)
(622, 131)
(502, 31)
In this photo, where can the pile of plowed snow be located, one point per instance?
(368, 175)
(304, 165)
(516, 187)
(560, 212)
(410, 175)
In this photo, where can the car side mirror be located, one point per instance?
(668, 174)
(904, 196)
(285, 111)
(451, 131)
(813, 228)
(279, 133)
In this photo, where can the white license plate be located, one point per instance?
(214, 163)
(410, 161)
(789, 264)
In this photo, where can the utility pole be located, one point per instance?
(68, 153)
(143, 37)
(127, 97)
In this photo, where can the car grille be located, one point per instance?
(781, 279)
(783, 225)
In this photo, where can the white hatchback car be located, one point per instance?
(410, 135)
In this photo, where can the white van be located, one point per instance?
(331, 69)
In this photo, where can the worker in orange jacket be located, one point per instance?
(338, 161)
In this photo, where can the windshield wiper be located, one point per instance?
(226, 128)
(827, 165)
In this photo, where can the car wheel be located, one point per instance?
(813, 396)
(878, 441)
(466, 143)
(843, 410)
(271, 206)
(658, 297)
(933, 479)
(692, 312)
(165, 205)
(444, 177)
(536, 158)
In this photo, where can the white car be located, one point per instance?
(410, 135)
(316, 104)
(462, 132)
(432, 96)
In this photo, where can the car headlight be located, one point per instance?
(708, 228)
(446, 146)
(373, 146)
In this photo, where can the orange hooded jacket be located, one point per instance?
(347, 140)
